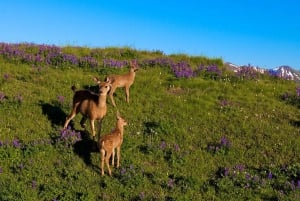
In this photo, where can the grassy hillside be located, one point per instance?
(196, 131)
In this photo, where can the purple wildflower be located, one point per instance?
(6, 76)
(61, 99)
(1, 170)
(16, 143)
(298, 184)
(171, 183)
(270, 175)
(19, 98)
(163, 145)
(21, 166)
(248, 176)
(176, 147)
(225, 142)
(240, 167)
(298, 91)
(33, 184)
(123, 171)
(226, 171)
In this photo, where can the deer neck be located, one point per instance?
(120, 128)
(132, 73)
(102, 100)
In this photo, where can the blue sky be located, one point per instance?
(258, 32)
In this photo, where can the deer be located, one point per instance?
(109, 142)
(90, 105)
(120, 81)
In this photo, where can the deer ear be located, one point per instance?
(96, 80)
(108, 80)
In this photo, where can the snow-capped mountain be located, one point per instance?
(285, 72)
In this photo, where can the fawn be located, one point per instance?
(109, 142)
(90, 105)
(125, 80)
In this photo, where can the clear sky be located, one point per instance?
(263, 33)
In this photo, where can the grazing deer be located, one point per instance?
(90, 105)
(125, 80)
(109, 142)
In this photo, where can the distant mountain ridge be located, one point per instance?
(283, 71)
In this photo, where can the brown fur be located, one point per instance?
(120, 81)
(109, 142)
(90, 105)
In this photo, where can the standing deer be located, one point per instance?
(90, 105)
(125, 80)
(109, 142)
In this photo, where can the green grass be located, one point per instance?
(171, 149)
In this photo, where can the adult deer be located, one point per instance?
(109, 142)
(90, 105)
(120, 81)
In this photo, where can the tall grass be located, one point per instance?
(206, 136)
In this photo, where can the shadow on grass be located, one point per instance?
(82, 148)
(54, 113)
(295, 123)
(85, 147)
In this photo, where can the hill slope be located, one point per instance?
(196, 135)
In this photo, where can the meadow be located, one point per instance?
(196, 131)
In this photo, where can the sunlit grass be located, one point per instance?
(194, 138)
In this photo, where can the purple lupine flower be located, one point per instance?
(163, 145)
(123, 171)
(1, 170)
(226, 171)
(33, 184)
(298, 91)
(270, 175)
(21, 166)
(19, 98)
(240, 167)
(225, 142)
(171, 183)
(224, 103)
(298, 184)
(16, 143)
(61, 99)
(248, 176)
(6, 76)
(176, 147)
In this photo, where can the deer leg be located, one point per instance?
(69, 118)
(108, 154)
(99, 128)
(113, 158)
(118, 156)
(127, 94)
(82, 122)
(111, 93)
(102, 151)
(93, 128)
